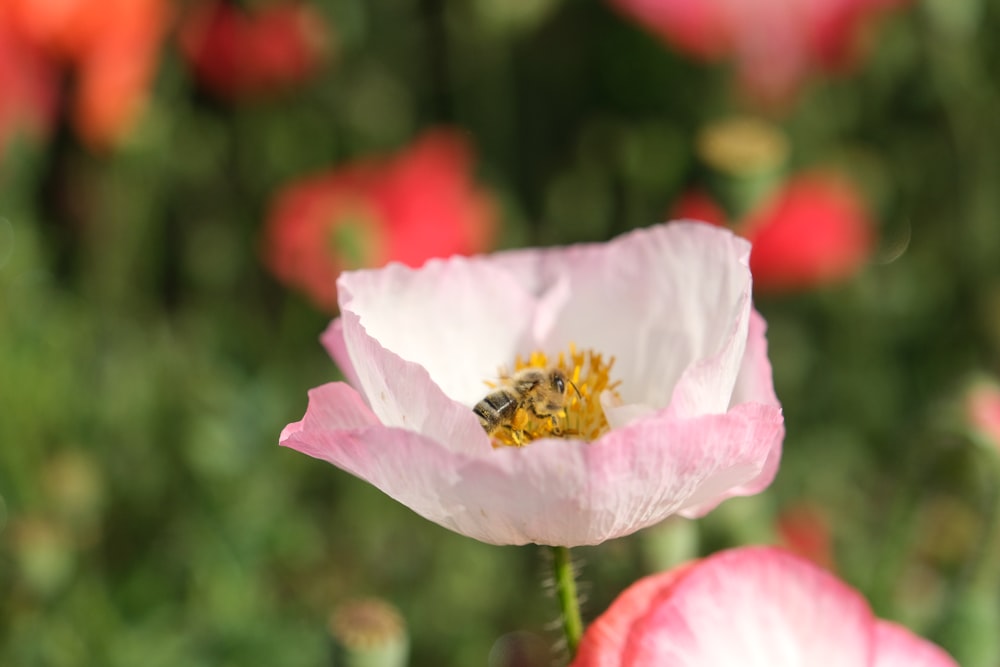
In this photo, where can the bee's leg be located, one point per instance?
(515, 435)
(546, 417)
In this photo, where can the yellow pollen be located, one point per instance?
(582, 418)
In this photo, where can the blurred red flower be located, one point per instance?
(112, 46)
(418, 204)
(813, 231)
(235, 54)
(775, 43)
(804, 529)
(29, 86)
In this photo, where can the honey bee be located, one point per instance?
(539, 392)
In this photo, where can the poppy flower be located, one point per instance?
(813, 231)
(236, 54)
(775, 44)
(749, 606)
(667, 404)
(418, 204)
(111, 46)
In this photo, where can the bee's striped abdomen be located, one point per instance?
(497, 408)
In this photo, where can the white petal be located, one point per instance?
(667, 302)
(403, 395)
(460, 319)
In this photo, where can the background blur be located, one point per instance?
(180, 183)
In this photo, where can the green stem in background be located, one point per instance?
(987, 572)
(569, 604)
(983, 569)
(972, 615)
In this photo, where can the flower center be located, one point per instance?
(354, 238)
(542, 411)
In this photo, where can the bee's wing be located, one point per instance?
(504, 377)
(525, 384)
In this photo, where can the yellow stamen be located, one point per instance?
(582, 417)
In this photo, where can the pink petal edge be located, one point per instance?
(604, 643)
(554, 492)
(896, 646)
(333, 341)
(754, 385)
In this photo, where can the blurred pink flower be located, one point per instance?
(775, 44)
(749, 606)
(813, 231)
(236, 54)
(982, 411)
(418, 204)
(30, 88)
(692, 419)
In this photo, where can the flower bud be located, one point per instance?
(746, 157)
(368, 633)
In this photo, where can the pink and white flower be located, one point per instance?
(753, 606)
(690, 420)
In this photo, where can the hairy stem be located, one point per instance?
(569, 604)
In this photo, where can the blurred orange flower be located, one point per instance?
(112, 47)
(29, 86)
(813, 231)
(775, 44)
(235, 54)
(418, 204)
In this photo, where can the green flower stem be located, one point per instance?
(569, 604)
(968, 629)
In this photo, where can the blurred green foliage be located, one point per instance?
(148, 363)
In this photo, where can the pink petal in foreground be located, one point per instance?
(895, 646)
(606, 638)
(756, 607)
(752, 607)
